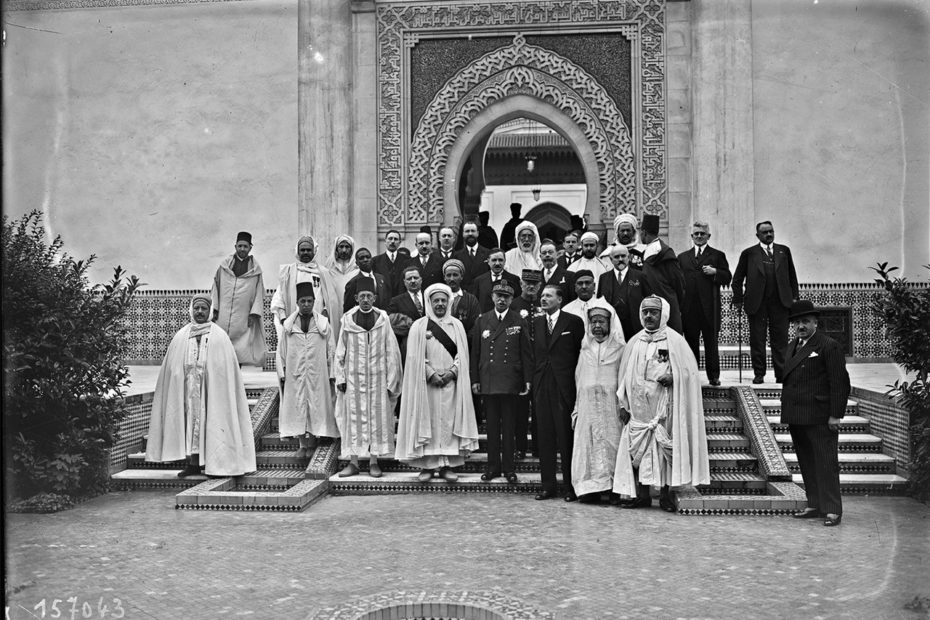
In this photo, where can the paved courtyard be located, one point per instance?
(579, 561)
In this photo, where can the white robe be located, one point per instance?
(596, 415)
(235, 299)
(368, 362)
(200, 407)
(307, 398)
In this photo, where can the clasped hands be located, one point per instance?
(665, 380)
(441, 378)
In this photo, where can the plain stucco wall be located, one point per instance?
(842, 133)
(152, 135)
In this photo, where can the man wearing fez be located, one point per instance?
(485, 283)
(509, 232)
(366, 276)
(553, 272)
(663, 443)
(284, 301)
(596, 417)
(306, 371)
(486, 235)
(705, 270)
(527, 306)
(465, 306)
(391, 263)
(199, 409)
(771, 287)
(501, 370)
(368, 380)
(238, 296)
(662, 271)
(584, 295)
(813, 402)
(437, 427)
(407, 307)
(589, 260)
(473, 255)
(624, 288)
(556, 346)
(341, 265)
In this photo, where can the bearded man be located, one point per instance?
(238, 298)
(341, 265)
(589, 260)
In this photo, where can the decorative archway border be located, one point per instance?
(521, 69)
(401, 24)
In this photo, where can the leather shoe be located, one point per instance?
(511, 478)
(571, 497)
(301, 453)
(808, 513)
(190, 470)
(349, 470)
(831, 520)
(758, 380)
(374, 470)
(545, 495)
(488, 476)
(448, 475)
(639, 502)
(715, 382)
(667, 504)
(425, 476)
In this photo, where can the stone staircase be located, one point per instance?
(864, 469)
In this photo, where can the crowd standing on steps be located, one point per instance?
(593, 355)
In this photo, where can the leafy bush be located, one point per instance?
(906, 311)
(63, 344)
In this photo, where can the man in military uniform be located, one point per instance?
(502, 371)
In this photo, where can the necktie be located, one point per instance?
(768, 250)
(473, 252)
(550, 326)
(391, 257)
(699, 251)
(548, 274)
(419, 304)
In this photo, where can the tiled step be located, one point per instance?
(475, 463)
(271, 479)
(153, 479)
(227, 494)
(848, 424)
(406, 482)
(276, 459)
(772, 407)
(848, 442)
(853, 463)
(727, 442)
(779, 498)
(741, 482)
(136, 460)
(715, 406)
(731, 461)
(274, 441)
(722, 424)
(867, 484)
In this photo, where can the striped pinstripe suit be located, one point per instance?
(815, 388)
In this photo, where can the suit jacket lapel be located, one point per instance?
(556, 329)
(799, 355)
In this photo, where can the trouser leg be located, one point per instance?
(824, 444)
(757, 326)
(546, 443)
(778, 337)
(510, 409)
(565, 437)
(803, 448)
(492, 412)
(692, 332)
(711, 351)
(521, 422)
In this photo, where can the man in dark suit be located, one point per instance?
(661, 270)
(484, 283)
(379, 283)
(407, 307)
(509, 232)
(813, 402)
(473, 255)
(427, 261)
(527, 306)
(771, 286)
(624, 288)
(391, 263)
(554, 273)
(486, 235)
(706, 270)
(556, 347)
(502, 371)
(571, 251)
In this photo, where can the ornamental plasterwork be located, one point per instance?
(520, 68)
(400, 25)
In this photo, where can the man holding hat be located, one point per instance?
(662, 271)
(589, 260)
(813, 401)
(501, 371)
(238, 297)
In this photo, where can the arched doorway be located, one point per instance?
(552, 220)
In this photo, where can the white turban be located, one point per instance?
(590, 235)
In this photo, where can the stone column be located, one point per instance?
(722, 135)
(324, 56)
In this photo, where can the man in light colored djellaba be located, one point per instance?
(437, 428)
(342, 265)
(307, 349)
(306, 269)
(199, 410)
(238, 296)
(663, 442)
(368, 379)
(596, 417)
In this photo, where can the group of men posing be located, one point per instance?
(583, 354)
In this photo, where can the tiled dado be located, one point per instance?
(889, 421)
(155, 316)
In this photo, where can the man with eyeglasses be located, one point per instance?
(706, 270)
